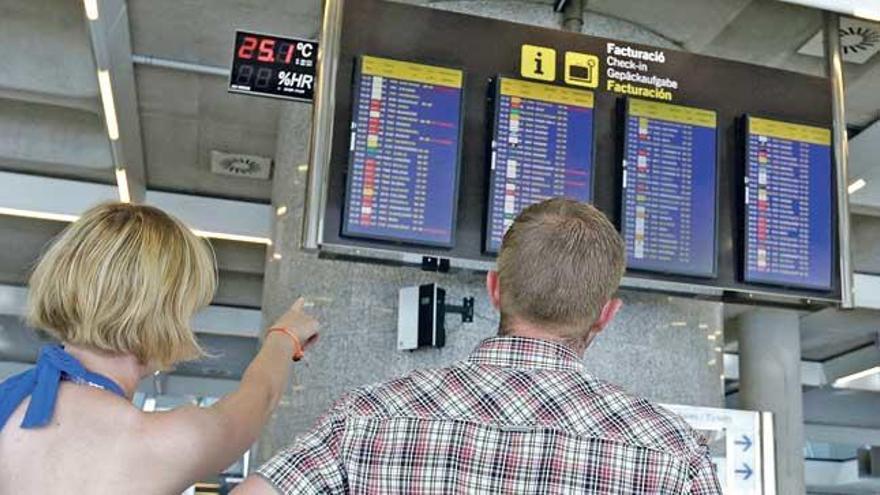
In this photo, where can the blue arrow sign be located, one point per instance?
(746, 471)
(746, 443)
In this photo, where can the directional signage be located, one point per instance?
(745, 442)
(738, 458)
(745, 472)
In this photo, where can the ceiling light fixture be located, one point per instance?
(867, 13)
(109, 106)
(91, 9)
(122, 185)
(233, 237)
(65, 217)
(856, 185)
(42, 215)
(844, 380)
(866, 9)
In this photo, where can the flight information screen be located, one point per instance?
(542, 147)
(788, 204)
(402, 182)
(670, 188)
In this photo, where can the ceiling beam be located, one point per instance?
(65, 200)
(851, 435)
(214, 319)
(857, 361)
(867, 289)
(812, 373)
(865, 9)
(62, 101)
(111, 45)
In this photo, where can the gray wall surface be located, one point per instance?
(661, 347)
(865, 243)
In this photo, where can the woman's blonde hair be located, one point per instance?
(125, 279)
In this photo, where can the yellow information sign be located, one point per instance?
(538, 62)
(409, 71)
(672, 113)
(581, 69)
(793, 132)
(546, 92)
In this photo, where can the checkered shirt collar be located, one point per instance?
(525, 352)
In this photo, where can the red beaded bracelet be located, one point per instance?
(298, 351)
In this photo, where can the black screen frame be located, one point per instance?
(744, 133)
(624, 140)
(393, 241)
(492, 122)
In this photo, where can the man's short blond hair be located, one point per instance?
(125, 279)
(560, 262)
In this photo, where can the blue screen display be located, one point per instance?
(669, 188)
(542, 147)
(405, 139)
(788, 198)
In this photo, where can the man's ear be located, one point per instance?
(493, 288)
(609, 310)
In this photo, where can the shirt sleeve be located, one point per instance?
(704, 479)
(311, 464)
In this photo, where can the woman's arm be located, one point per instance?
(192, 442)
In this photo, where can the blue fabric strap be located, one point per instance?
(41, 384)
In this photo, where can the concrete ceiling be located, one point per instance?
(832, 332)
(50, 119)
(201, 32)
(186, 115)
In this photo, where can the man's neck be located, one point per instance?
(525, 329)
(124, 369)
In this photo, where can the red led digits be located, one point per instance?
(267, 50)
(289, 56)
(246, 50)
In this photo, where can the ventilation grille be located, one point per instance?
(859, 40)
(238, 165)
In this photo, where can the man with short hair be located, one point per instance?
(520, 415)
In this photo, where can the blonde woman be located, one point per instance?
(118, 289)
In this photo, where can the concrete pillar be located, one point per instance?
(770, 380)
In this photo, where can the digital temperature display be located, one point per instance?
(273, 66)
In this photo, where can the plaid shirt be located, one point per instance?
(518, 416)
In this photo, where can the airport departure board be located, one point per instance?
(670, 188)
(788, 197)
(405, 144)
(542, 147)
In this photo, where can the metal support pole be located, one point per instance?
(573, 15)
(834, 59)
(322, 123)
